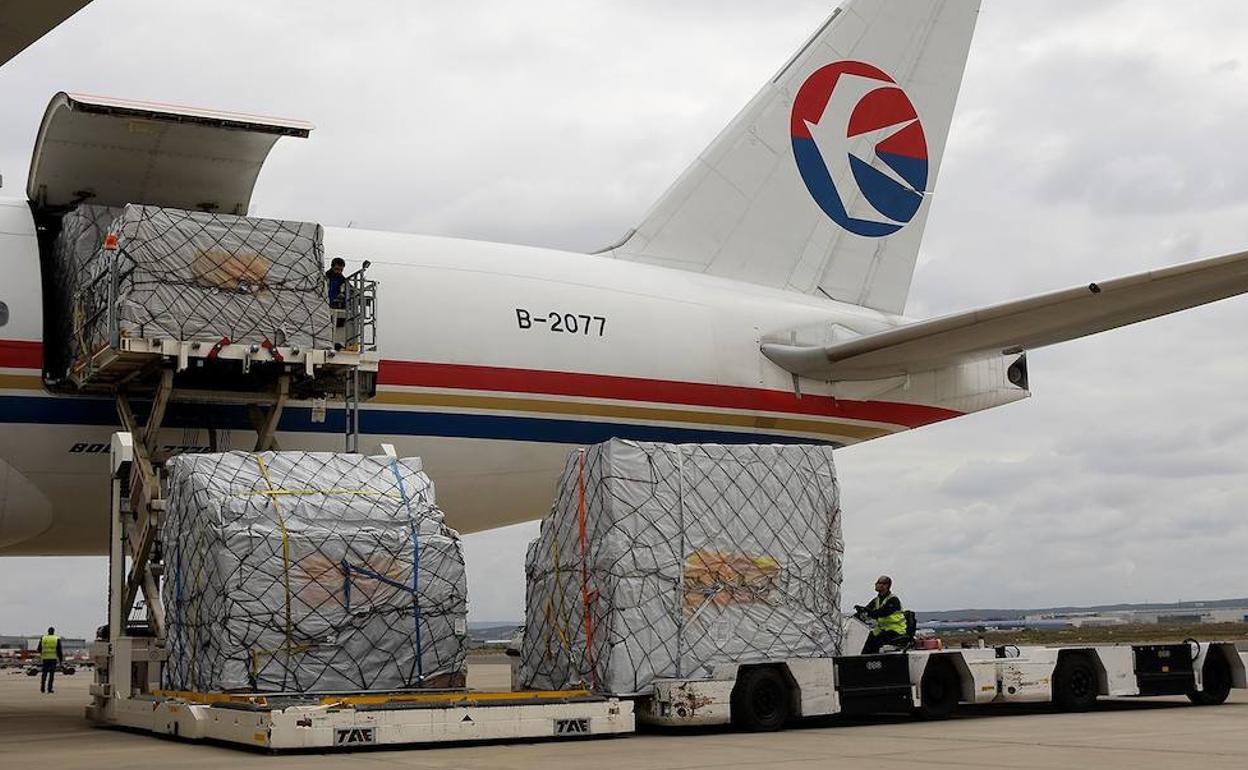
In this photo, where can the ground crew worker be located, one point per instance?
(885, 610)
(50, 655)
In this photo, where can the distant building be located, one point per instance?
(1180, 619)
(1228, 615)
(1096, 621)
(1172, 616)
(1178, 613)
(31, 643)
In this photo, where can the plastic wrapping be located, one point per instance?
(193, 275)
(309, 572)
(81, 236)
(663, 560)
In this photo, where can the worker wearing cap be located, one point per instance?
(885, 610)
(50, 655)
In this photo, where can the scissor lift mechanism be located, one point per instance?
(130, 659)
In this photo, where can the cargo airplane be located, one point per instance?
(761, 299)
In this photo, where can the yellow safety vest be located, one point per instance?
(47, 646)
(895, 622)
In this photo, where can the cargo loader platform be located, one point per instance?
(222, 365)
(132, 659)
(352, 721)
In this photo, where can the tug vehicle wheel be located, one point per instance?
(939, 690)
(1216, 677)
(1075, 686)
(761, 700)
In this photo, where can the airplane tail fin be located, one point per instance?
(822, 183)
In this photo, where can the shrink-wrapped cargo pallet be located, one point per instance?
(81, 236)
(194, 275)
(309, 572)
(662, 560)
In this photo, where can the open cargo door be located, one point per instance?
(111, 152)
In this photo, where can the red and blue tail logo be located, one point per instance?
(848, 115)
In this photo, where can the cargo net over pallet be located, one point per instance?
(662, 560)
(293, 572)
(139, 280)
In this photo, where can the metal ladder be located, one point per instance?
(361, 334)
(351, 405)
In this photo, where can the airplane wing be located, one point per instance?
(22, 22)
(1013, 327)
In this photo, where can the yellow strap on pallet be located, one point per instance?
(281, 523)
(555, 620)
(209, 698)
(289, 649)
(303, 492)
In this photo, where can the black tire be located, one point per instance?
(939, 690)
(1075, 685)
(1216, 677)
(761, 700)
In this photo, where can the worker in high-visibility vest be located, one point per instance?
(51, 655)
(885, 610)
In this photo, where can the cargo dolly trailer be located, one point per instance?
(349, 721)
(933, 683)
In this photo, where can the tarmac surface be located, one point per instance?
(49, 731)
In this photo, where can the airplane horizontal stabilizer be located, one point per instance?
(1013, 327)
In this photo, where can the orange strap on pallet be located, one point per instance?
(586, 599)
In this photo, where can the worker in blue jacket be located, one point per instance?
(337, 283)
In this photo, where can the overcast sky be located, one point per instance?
(1091, 140)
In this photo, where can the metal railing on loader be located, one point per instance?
(360, 327)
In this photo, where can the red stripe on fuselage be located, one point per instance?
(428, 375)
(22, 354)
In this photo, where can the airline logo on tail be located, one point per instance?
(860, 148)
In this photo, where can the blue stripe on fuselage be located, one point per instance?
(49, 410)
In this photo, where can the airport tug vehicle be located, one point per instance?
(931, 683)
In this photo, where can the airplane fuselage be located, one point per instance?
(496, 360)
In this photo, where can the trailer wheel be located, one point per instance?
(1216, 676)
(1075, 686)
(761, 700)
(939, 690)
